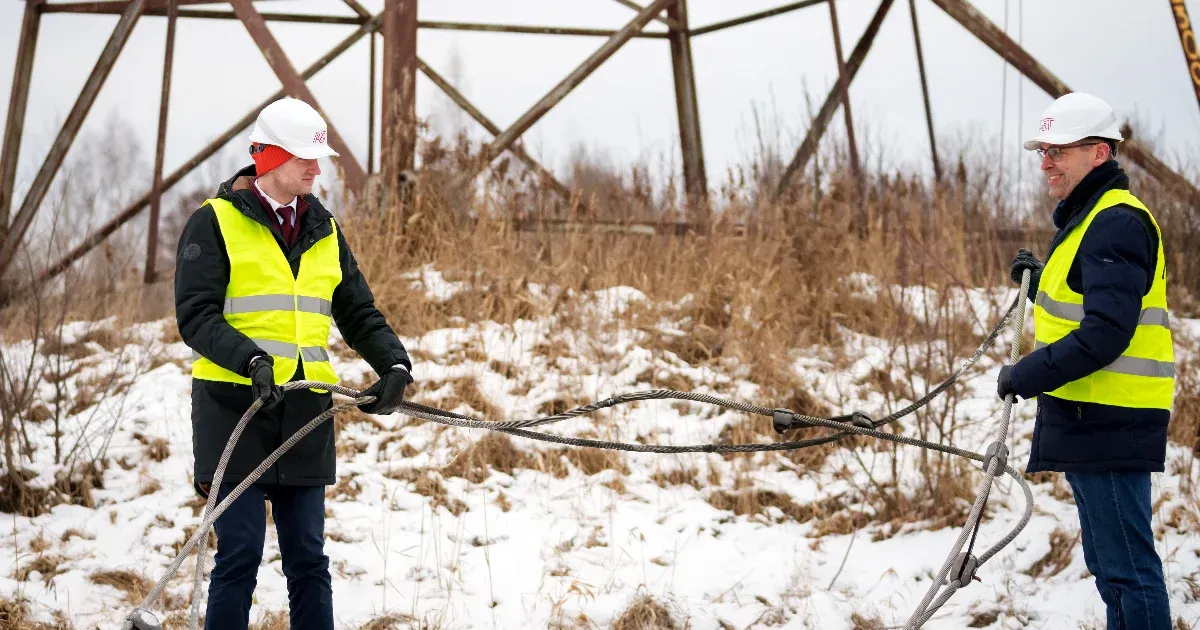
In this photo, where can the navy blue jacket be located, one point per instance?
(1113, 269)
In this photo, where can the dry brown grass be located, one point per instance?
(150, 487)
(496, 451)
(1184, 428)
(647, 613)
(466, 390)
(39, 543)
(428, 484)
(677, 477)
(346, 489)
(157, 449)
(134, 587)
(983, 619)
(754, 502)
(391, 621)
(858, 621)
(271, 620)
(48, 565)
(76, 533)
(1058, 558)
(15, 614)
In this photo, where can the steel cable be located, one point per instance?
(213, 509)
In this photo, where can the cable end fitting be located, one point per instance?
(785, 420)
(858, 419)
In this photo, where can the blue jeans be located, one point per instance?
(299, 514)
(1118, 547)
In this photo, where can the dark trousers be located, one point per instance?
(1118, 547)
(299, 514)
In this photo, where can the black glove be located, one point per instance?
(262, 380)
(1025, 260)
(1004, 384)
(388, 392)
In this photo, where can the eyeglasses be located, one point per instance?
(1056, 153)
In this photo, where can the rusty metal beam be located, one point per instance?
(160, 146)
(211, 14)
(754, 17)
(371, 108)
(532, 30)
(118, 6)
(66, 136)
(98, 236)
(399, 98)
(358, 8)
(10, 150)
(1187, 38)
(308, 18)
(937, 165)
(516, 149)
(844, 86)
(995, 38)
(1142, 156)
(686, 105)
(669, 21)
(295, 86)
(821, 122)
(583, 71)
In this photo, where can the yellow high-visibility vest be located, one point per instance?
(287, 316)
(1144, 375)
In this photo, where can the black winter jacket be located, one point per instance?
(1113, 270)
(201, 279)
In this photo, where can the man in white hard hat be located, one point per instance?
(263, 271)
(1103, 367)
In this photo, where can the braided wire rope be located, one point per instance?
(520, 428)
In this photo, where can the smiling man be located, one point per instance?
(263, 271)
(1103, 369)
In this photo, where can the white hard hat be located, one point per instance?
(1073, 117)
(295, 126)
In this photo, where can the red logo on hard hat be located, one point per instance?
(319, 137)
(1047, 123)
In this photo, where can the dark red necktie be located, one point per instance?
(287, 229)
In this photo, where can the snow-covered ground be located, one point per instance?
(535, 549)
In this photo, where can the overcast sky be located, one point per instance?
(1125, 51)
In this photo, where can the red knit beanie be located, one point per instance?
(267, 157)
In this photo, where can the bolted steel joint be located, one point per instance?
(998, 451)
(141, 622)
(964, 568)
(781, 419)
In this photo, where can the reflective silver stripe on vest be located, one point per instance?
(314, 353)
(1152, 316)
(314, 305)
(256, 303)
(1061, 310)
(277, 348)
(1141, 367)
(1134, 366)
